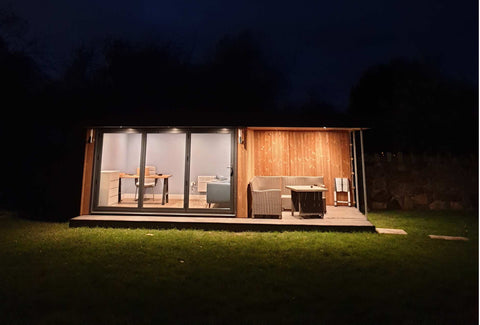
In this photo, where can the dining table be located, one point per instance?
(164, 177)
(308, 200)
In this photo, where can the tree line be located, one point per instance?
(409, 106)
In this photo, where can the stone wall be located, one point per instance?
(421, 181)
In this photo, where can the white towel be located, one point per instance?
(341, 185)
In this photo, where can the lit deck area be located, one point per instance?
(345, 219)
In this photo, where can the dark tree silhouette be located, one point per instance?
(40, 140)
(78, 74)
(140, 81)
(21, 82)
(144, 75)
(413, 107)
(241, 78)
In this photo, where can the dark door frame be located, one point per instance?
(140, 210)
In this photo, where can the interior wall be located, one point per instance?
(114, 151)
(210, 156)
(166, 151)
(121, 151)
(132, 153)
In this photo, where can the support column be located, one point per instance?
(357, 203)
(85, 200)
(363, 174)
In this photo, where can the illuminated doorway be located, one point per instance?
(164, 171)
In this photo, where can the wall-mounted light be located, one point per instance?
(90, 137)
(240, 136)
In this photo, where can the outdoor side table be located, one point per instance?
(307, 200)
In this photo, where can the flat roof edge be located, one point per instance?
(273, 128)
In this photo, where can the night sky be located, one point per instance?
(322, 46)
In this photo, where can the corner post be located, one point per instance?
(363, 174)
(357, 202)
(141, 180)
(87, 178)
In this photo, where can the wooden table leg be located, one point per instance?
(322, 207)
(165, 191)
(310, 204)
(119, 189)
(295, 202)
(166, 182)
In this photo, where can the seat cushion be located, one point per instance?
(218, 192)
(266, 183)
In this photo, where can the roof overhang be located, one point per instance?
(259, 128)
(303, 128)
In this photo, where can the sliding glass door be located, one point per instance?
(211, 170)
(167, 170)
(164, 184)
(120, 158)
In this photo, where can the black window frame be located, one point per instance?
(185, 210)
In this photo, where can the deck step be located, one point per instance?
(223, 224)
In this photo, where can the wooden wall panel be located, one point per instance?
(245, 171)
(250, 146)
(242, 181)
(303, 153)
(87, 175)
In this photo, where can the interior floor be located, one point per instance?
(195, 203)
(199, 202)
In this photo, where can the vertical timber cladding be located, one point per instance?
(245, 170)
(303, 153)
(242, 178)
(87, 172)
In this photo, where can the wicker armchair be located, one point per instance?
(266, 196)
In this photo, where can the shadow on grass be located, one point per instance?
(54, 274)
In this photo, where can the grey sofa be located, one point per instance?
(218, 192)
(269, 195)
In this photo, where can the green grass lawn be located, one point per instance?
(53, 274)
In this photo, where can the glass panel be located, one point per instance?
(210, 171)
(120, 158)
(165, 164)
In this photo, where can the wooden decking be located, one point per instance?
(337, 219)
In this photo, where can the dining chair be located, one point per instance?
(150, 182)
